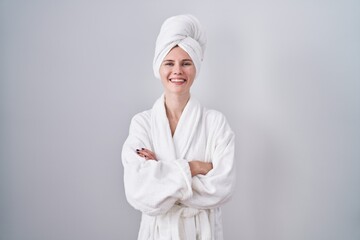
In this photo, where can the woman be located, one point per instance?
(178, 157)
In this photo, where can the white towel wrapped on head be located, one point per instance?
(184, 31)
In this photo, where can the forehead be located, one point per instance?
(177, 53)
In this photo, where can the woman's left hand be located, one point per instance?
(146, 153)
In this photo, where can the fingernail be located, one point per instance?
(142, 148)
(137, 150)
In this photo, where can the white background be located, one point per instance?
(285, 73)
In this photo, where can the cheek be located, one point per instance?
(162, 73)
(192, 73)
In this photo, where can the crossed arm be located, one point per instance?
(153, 186)
(196, 167)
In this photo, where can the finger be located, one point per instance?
(210, 167)
(144, 155)
(148, 157)
(206, 167)
(144, 151)
(148, 153)
(140, 153)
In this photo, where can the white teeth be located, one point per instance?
(177, 80)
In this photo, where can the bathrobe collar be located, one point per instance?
(165, 145)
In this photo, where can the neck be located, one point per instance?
(175, 104)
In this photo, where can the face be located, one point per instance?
(177, 72)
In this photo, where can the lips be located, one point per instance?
(177, 80)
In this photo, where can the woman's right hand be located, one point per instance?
(199, 167)
(146, 153)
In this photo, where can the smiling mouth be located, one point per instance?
(177, 80)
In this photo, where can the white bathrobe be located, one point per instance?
(175, 205)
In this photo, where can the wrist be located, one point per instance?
(193, 168)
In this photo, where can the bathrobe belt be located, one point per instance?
(178, 213)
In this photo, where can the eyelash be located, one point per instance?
(184, 64)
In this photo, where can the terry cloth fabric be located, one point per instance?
(184, 31)
(175, 205)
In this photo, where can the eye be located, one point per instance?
(187, 63)
(169, 64)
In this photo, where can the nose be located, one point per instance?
(177, 69)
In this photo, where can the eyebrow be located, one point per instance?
(170, 60)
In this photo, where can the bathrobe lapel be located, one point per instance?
(161, 133)
(167, 147)
(187, 127)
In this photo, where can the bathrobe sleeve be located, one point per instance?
(152, 186)
(216, 187)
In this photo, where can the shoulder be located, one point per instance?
(216, 121)
(214, 116)
(141, 118)
(145, 116)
